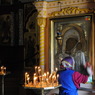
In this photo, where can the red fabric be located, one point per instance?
(79, 78)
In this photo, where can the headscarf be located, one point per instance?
(67, 63)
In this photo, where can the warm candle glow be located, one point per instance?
(26, 78)
(39, 72)
(36, 69)
(3, 70)
(56, 69)
(42, 79)
(47, 74)
(57, 76)
(35, 82)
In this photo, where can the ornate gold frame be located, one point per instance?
(91, 46)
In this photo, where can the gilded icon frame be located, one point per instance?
(88, 44)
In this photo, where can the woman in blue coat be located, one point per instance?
(71, 79)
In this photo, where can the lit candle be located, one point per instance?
(36, 69)
(57, 78)
(50, 77)
(34, 79)
(28, 79)
(40, 81)
(47, 74)
(25, 77)
(53, 80)
(47, 83)
(34, 83)
(56, 69)
(4, 69)
(39, 72)
(39, 68)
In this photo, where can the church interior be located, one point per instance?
(41, 33)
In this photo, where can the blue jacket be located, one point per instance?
(68, 87)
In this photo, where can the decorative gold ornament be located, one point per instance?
(71, 11)
(59, 39)
(41, 22)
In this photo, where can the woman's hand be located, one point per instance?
(89, 69)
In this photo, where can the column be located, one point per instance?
(41, 23)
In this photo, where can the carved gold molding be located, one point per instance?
(41, 22)
(71, 11)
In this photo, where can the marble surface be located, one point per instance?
(86, 89)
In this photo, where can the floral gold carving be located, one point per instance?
(71, 11)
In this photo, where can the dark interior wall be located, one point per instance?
(11, 53)
(12, 57)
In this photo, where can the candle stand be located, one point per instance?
(3, 73)
(41, 91)
(41, 82)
